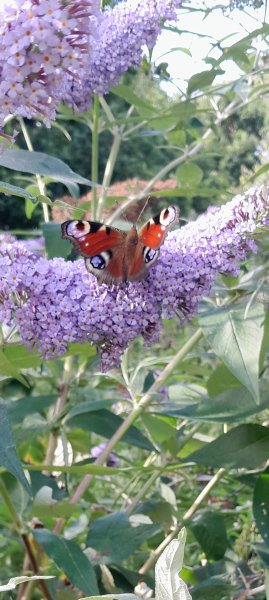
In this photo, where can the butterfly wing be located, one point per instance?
(101, 246)
(150, 237)
(114, 256)
(153, 233)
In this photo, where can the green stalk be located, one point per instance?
(40, 184)
(59, 406)
(113, 154)
(151, 480)
(8, 502)
(188, 514)
(95, 148)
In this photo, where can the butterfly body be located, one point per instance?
(116, 256)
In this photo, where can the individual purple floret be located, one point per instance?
(54, 302)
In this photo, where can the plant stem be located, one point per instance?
(40, 184)
(147, 485)
(114, 151)
(188, 514)
(117, 137)
(143, 490)
(95, 148)
(64, 390)
(8, 502)
(19, 528)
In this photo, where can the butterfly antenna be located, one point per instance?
(143, 209)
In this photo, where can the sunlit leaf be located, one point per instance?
(236, 337)
(169, 586)
(14, 581)
(41, 164)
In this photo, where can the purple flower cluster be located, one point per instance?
(44, 46)
(54, 302)
(53, 51)
(123, 31)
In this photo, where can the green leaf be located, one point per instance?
(89, 406)
(21, 357)
(28, 405)
(18, 580)
(261, 505)
(54, 243)
(259, 172)
(105, 423)
(158, 428)
(245, 446)
(69, 557)
(7, 367)
(169, 586)
(237, 338)
(189, 174)
(228, 407)
(40, 163)
(188, 190)
(115, 536)
(85, 350)
(29, 208)
(8, 455)
(263, 551)
(220, 380)
(213, 588)
(203, 79)
(125, 92)
(210, 531)
(13, 190)
(177, 137)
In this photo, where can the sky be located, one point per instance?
(215, 26)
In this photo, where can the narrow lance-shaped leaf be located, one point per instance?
(69, 557)
(169, 586)
(232, 405)
(245, 446)
(41, 164)
(8, 455)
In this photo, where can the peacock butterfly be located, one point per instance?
(114, 256)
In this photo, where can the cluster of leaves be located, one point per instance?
(198, 455)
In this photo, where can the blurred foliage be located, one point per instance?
(199, 455)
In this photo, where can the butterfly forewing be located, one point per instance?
(153, 233)
(91, 238)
